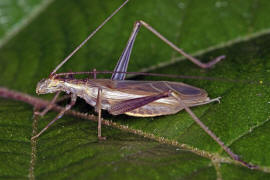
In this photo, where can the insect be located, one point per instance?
(133, 98)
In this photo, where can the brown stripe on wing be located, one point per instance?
(131, 104)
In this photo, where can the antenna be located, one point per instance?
(89, 37)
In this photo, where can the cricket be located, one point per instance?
(130, 97)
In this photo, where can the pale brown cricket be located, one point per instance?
(133, 98)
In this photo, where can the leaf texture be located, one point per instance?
(70, 149)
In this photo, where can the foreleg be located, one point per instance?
(68, 107)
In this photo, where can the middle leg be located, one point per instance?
(98, 110)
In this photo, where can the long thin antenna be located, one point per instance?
(89, 37)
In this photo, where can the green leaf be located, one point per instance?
(70, 149)
(15, 15)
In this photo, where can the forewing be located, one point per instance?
(184, 90)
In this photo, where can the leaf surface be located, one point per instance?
(70, 149)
